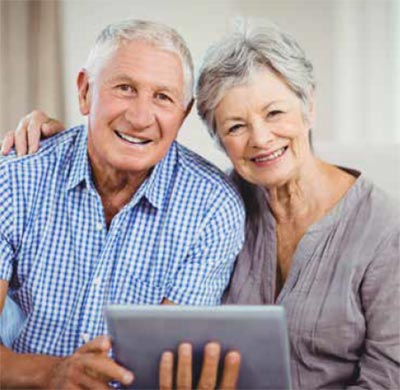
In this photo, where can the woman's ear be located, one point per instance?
(83, 91)
(311, 112)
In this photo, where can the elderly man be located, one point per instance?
(112, 212)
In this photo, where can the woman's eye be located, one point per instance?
(234, 129)
(274, 113)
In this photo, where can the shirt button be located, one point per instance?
(99, 226)
(97, 281)
(85, 337)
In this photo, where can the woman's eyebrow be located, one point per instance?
(269, 104)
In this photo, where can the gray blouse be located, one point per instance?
(342, 295)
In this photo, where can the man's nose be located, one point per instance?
(260, 134)
(140, 113)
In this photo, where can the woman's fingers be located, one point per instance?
(51, 127)
(33, 134)
(40, 126)
(20, 137)
(184, 374)
(209, 371)
(30, 130)
(166, 374)
(7, 143)
(230, 374)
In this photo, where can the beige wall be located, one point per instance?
(354, 45)
(30, 61)
(351, 43)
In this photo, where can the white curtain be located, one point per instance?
(30, 58)
(366, 63)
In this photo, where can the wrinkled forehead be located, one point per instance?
(246, 77)
(107, 52)
(141, 61)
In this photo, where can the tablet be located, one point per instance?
(140, 334)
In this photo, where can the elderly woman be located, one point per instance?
(322, 240)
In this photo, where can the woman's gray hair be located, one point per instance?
(157, 34)
(231, 62)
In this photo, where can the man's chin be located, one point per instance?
(133, 165)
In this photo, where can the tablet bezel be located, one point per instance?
(245, 328)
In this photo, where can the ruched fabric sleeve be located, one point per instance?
(379, 366)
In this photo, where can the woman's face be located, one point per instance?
(261, 126)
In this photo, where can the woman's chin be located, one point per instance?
(268, 180)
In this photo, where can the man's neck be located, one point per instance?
(115, 188)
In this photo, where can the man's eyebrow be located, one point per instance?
(120, 78)
(162, 87)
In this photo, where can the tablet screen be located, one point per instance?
(141, 333)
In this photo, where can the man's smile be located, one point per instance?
(132, 140)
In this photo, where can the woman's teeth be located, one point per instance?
(271, 156)
(132, 140)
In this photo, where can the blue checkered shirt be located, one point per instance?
(177, 238)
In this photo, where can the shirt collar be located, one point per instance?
(80, 168)
(154, 188)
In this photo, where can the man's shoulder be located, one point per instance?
(34, 173)
(52, 148)
(202, 170)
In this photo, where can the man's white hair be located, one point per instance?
(157, 34)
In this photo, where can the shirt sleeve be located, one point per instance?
(6, 222)
(379, 365)
(205, 272)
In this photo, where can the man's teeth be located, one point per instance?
(133, 140)
(271, 156)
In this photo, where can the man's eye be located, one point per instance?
(125, 88)
(163, 97)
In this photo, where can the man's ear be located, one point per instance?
(83, 91)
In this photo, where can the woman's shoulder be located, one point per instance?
(369, 225)
(381, 210)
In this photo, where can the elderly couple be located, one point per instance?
(118, 212)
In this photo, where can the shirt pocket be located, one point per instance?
(139, 292)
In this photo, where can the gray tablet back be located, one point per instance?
(141, 333)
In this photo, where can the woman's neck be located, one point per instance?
(310, 195)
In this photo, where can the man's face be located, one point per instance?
(135, 107)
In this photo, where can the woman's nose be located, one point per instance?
(260, 134)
